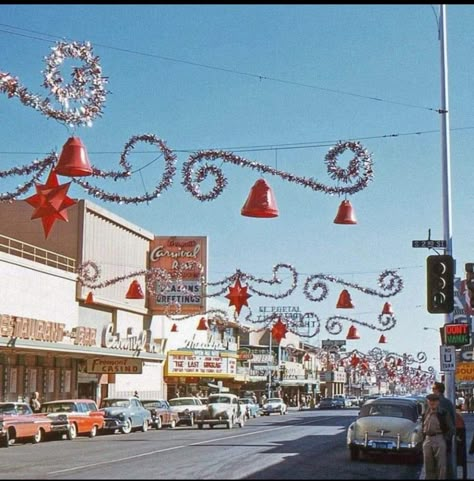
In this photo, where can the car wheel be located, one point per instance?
(93, 432)
(38, 437)
(158, 423)
(173, 424)
(145, 425)
(200, 426)
(6, 439)
(127, 427)
(72, 432)
(354, 452)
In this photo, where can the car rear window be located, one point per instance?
(389, 410)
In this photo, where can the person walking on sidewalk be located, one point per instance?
(438, 428)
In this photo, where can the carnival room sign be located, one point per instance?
(184, 259)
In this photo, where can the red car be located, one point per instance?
(18, 422)
(83, 415)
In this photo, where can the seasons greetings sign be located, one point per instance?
(183, 262)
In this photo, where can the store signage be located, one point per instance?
(244, 354)
(183, 260)
(456, 334)
(465, 371)
(201, 365)
(114, 366)
(129, 342)
(27, 328)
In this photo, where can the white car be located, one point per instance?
(274, 405)
(187, 408)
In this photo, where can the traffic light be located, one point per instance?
(470, 281)
(440, 284)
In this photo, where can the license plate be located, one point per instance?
(381, 445)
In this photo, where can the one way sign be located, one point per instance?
(447, 358)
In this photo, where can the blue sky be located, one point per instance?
(258, 80)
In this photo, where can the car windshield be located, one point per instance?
(57, 408)
(219, 399)
(389, 410)
(245, 401)
(274, 400)
(115, 403)
(8, 409)
(183, 401)
(151, 404)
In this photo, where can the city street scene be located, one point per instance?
(236, 242)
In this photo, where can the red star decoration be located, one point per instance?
(238, 296)
(279, 330)
(51, 202)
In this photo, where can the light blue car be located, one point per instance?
(125, 414)
(252, 409)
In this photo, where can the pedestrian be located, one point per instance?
(439, 388)
(135, 394)
(35, 403)
(438, 430)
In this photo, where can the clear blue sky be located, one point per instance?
(239, 77)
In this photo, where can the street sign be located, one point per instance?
(447, 358)
(429, 243)
(456, 334)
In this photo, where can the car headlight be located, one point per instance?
(121, 416)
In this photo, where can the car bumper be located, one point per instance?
(383, 445)
(113, 423)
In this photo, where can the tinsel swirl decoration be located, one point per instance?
(393, 285)
(166, 180)
(87, 87)
(334, 324)
(359, 171)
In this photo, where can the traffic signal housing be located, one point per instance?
(440, 284)
(469, 268)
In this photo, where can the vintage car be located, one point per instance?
(161, 413)
(83, 415)
(387, 425)
(252, 410)
(330, 403)
(124, 414)
(274, 405)
(222, 408)
(18, 422)
(187, 408)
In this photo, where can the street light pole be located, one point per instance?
(270, 365)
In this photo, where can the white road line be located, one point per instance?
(150, 453)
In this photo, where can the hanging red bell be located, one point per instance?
(73, 161)
(344, 301)
(387, 308)
(89, 299)
(382, 339)
(174, 328)
(345, 214)
(261, 201)
(135, 291)
(202, 326)
(353, 333)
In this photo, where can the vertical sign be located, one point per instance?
(184, 260)
(447, 358)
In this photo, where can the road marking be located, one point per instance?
(150, 453)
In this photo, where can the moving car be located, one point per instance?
(18, 422)
(252, 410)
(274, 405)
(83, 415)
(222, 408)
(186, 408)
(125, 414)
(387, 425)
(161, 413)
(330, 403)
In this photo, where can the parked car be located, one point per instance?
(18, 422)
(387, 425)
(222, 408)
(125, 414)
(274, 405)
(83, 415)
(252, 410)
(330, 403)
(352, 402)
(161, 413)
(186, 408)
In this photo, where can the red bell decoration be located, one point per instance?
(202, 326)
(73, 161)
(345, 214)
(353, 333)
(261, 201)
(399, 362)
(344, 301)
(382, 339)
(174, 328)
(135, 291)
(89, 299)
(387, 308)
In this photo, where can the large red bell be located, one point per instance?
(135, 291)
(344, 301)
(89, 299)
(174, 328)
(353, 333)
(387, 308)
(73, 161)
(261, 201)
(382, 339)
(202, 326)
(345, 214)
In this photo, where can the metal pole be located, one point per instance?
(270, 365)
(450, 380)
